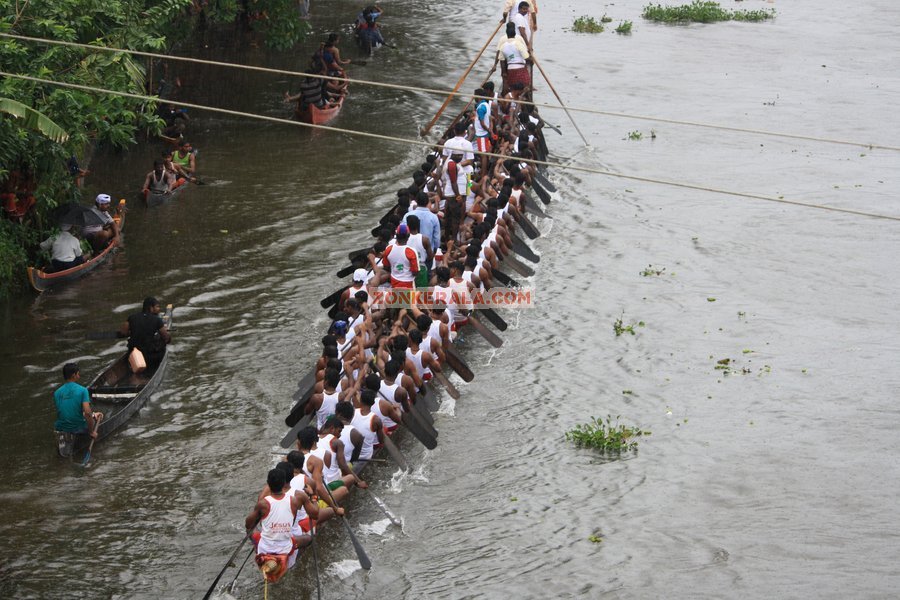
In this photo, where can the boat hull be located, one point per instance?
(318, 116)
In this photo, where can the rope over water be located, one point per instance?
(453, 93)
(567, 167)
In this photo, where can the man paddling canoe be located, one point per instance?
(147, 333)
(74, 415)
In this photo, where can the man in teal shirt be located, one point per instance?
(73, 405)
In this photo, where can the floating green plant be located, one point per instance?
(702, 11)
(606, 435)
(587, 25)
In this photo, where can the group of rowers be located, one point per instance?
(448, 231)
(172, 171)
(66, 251)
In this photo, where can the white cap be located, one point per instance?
(360, 275)
(103, 199)
(65, 227)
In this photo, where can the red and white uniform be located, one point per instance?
(403, 263)
(275, 534)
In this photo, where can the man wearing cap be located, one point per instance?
(65, 249)
(73, 406)
(401, 261)
(101, 235)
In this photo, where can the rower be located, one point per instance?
(100, 235)
(401, 260)
(275, 514)
(147, 333)
(387, 410)
(297, 487)
(159, 180)
(351, 438)
(424, 361)
(321, 466)
(185, 159)
(322, 404)
(368, 424)
(73, 410)
(422, 246)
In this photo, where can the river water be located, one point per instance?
(774, 478)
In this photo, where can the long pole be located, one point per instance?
(541, 69)
(459, 83)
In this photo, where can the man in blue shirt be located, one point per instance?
(73, 405)
(429, 224)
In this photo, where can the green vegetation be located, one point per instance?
(42, 125)
(606, 436)
(605, 19)
(649, 271)
(595, 538)
(635, 135)
(587, 25)
(619, 327)
(702, 11)
(624, 28)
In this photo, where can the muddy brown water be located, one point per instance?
(776, 479)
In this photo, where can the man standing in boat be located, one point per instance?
(401, 261)
(73, 407)
(147, 332)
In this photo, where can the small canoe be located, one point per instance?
(42, 280)
(119, 394)
(318, 116)
(153, 198)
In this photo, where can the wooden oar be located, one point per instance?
(415, 427)
(518, 266)
(544, 181)
(527, 226)
(451, 389)
(459, 83)
(534, 208)
(553, 127)
(492, 338)
(361, 555)
(521, 248)
(574, 124)
(228, 562)
(332, 298)
(230, 587)
(312, 534)
(87, 455)
(458, 364)
(496, 320)
(362, 251)
(505, 279)
(395, 453)
(394, 520)
(541, 192)
(103, 335)
(344, 272)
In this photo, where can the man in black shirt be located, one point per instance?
(147, 332)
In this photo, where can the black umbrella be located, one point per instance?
(76, 214)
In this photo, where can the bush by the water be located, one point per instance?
(607, 435)
(587, 25)
(702, 11)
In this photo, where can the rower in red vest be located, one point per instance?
(276, 514)
(401, 260)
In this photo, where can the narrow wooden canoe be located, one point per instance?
(42, 280)
(153, 199)
(119, 394)
(318, 116)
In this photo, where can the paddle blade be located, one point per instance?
(521, 248)
(395, 453)
(451, 389)
(496, 320)
(527, 226)
(541, 192)
(492, 338)
(458, 364)
(332, 298)
(87, 458)
(505, 279)
(519, 266)
(345, 271)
